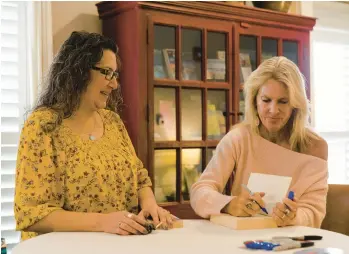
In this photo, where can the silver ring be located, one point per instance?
(129, 215)
(287, 212)
(248, 205)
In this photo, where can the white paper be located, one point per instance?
(275, 188)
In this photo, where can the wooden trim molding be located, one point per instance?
(216, 10)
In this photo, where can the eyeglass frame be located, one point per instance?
(105, 71)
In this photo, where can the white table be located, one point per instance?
(197, 236)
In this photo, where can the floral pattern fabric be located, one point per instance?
(58, 169)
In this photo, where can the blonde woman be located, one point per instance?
(274, 138)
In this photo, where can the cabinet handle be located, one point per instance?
(245, 25)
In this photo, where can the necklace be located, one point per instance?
(91, 136)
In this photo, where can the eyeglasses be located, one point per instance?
(109, 74)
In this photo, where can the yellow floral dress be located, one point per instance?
(58, 169)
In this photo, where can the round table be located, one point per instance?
(197, 236)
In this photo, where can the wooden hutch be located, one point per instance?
(184, 64)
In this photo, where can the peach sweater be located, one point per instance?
(246, 152)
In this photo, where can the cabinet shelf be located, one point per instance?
(185, 144)
(191, 83)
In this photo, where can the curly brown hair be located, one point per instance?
(69, 74)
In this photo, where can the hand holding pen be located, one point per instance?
(285, 213)
(253, 200)
(246, 204)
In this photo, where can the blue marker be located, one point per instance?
(261, 245)
(291, 195)
(254, 201)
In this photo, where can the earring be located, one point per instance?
(257, 121)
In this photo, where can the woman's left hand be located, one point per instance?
(159, 215)
(285, 213)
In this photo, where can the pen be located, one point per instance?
(291, 195)
(254, 201)
(293, 245)
(298, 238)
(260, 245)
(158, 225)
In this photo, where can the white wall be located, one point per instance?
(70, 16)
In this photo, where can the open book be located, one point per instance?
(243, 223)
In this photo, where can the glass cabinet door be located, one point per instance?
(165, 114)
(191, 169)
(269, 48)
(164, 52)
(241, 105)
(210, 153)
(216, 107)
(247, 56)
(165, 175)
(191, 54)
(191, 114)
(290, 50)
(248, 63)
(216, 57)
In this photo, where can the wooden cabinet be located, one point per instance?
(182, 80)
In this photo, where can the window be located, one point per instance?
(330, 46)
(14, 100)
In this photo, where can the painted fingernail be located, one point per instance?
(149, 228)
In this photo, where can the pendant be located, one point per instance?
(92, 137)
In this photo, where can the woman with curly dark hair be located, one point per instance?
(76, 168)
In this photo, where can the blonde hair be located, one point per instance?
(286, 72)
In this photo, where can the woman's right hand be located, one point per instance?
(123, 223)
(243, 205)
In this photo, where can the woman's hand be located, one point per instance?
(285, 213)
(245, 205)
(158, 214)
(123, 223)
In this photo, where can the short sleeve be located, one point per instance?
(39, 181)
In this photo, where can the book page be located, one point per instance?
(275, 188)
